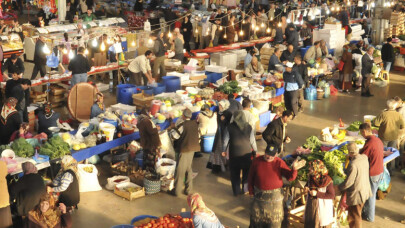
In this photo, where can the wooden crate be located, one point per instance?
(142, 100)
(296, 217)
(119, 190)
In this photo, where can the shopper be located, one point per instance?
(142, 49)
(234, 105)
(47, 118)
(201, 215)
(313, 53)
(98, 107)
(178, 44)
(89, 16)
(216, 32)
(216, 162)
(205, 32)
(367, 63)
(186, 140)
(250, 118)
(288, 54)
(302, 69)
(39, 58)
(242, 146)
(374, 150)
(356, 185)
(79, 66)
(230, 30)
(265, 185)
(187, 31)
(306, 34)
(49, 214)
(10, 120)
(141, 73)
(319, 207)
(99, 56)
(275, 59)
(276, 133)
(5, 212)
(66, 183)
(207, 121)
(254, 68)
(293, 82)
(149, 140)
(387, 54)
(347, 73)
(11, 83)
(27, 190)
(390, 122)
(13, 64)
(292, 37)
(159, 51)
(19, 92)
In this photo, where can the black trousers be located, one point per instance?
(236, 165)
(41, 68)
(365, 85)
(291, 101)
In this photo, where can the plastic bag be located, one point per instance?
(167, 145)
(113, 181)
(166, 170)
(52, 61)
(88, 181)
(385, 181)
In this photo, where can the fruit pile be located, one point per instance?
(168, 221)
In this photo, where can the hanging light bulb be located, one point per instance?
(253, 27)
(271, 19)
(133, 43)
(268, 30)
(372, 5)
(46, 50)
(225, 36)
(279, 24)
(243, 21)
(169, 35)
(196, 30)
(241, 33)
(94, 43)
(86, 52)
(348, 3)
(102, 47)
(333, 9)
(220, 28)
(327, 12)
(150, 41)
(262, 25)
(257, 28)
(71, 55)
(338, 9)
(288, 20)
(64, 51)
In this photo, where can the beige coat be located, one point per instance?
(313, 53)
(357, 183)
(249, 71)
(4, 197)
(207, 125)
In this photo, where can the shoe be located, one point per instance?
(358, 90)
(370, 95)
(300, 110)
(364, 95)
(198, 155)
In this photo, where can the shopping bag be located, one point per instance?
(52, 61)
(88, 181)
(341, 65)
(386, 179)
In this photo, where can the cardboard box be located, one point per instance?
(198, 77)
(120, 191)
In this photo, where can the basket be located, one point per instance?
(152, 184)
(141, 217)
(320, 95)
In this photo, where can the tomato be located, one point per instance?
(171, 225)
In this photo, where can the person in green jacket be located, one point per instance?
(89, 16)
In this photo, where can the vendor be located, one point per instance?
(47, 118)
(249, 57)
(275, 59)
(21, 133)
(306, 34)
(15, 80)
(288, 54)
(313, 53)
(140, 69)
(98, 107)
(40, 21)
(66, 183)
(324, 48)
(254, 68)
(10, 120)
(21, 93)
(178, 47)
(27, 190)
(89, 16)
(202, 216)
(13, 64)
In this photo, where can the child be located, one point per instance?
(279, 112)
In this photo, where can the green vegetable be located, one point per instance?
(230, 87)
(4, 147)
(313, 143)
(354, 126)
(22, 148)
(55, 148)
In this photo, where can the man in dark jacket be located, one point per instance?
(13, 64)
(186, 137)
(288, 54)
(292, 37)
(39, 58)
(302, 69)
(387, 54)
(366, 66)
(79, 66)
(15, 80)
(293, 82)
(18, 92)
(159, 50)
(275, 133)
(275, 59)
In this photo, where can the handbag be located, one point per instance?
(341, 65)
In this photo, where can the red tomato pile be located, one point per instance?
(169, 221)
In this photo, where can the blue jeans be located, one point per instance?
(387, 66)
(77, 78)
(369, 206)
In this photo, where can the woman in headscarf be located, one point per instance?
(47, 118)
(98, 106)
(27, 190)
(216, 162)
(49, 215)
(5, 213)
(22, 132)
(66, 183)
(150, 141)
(241, 142)
(207, 121)
(347, 73)
(10, 120)
(254, 68)
(202, 216)
(324, 48)
(319, 208)
(187, 30)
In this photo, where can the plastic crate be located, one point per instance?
(265, 119)
(391, 157)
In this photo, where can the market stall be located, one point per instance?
(12, 44)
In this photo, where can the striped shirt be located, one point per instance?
(62, 182)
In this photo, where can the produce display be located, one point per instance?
(88, 169)
(133, 189)
(55, 148)
(22, 148)
(230, 87)
(354, 126)
(166, 221)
